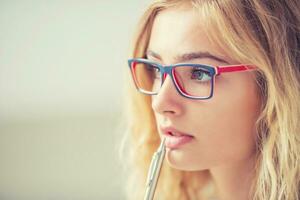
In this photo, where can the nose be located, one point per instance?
(168, 101)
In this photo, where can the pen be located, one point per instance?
(154, 171)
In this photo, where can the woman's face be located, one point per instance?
(223, 126)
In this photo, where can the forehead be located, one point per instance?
(179, 30)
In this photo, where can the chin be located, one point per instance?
(177, 160)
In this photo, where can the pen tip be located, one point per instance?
(162, 144)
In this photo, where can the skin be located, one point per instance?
(223, 126)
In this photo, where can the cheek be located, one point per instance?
(227, 131)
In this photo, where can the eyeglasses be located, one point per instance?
(194, 81)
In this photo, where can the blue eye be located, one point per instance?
(153, 70)
(200, 75)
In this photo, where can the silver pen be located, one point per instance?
(154, 170)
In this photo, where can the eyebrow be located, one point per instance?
(189, 56)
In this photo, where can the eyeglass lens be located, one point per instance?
(194, 81)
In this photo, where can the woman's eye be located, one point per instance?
(200, 75)
(154, 71)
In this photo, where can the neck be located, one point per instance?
(233, 181)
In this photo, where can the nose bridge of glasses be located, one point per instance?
(165, 71)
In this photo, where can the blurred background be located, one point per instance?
(61, 65)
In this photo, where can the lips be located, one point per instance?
(173, 132)
(175, 138)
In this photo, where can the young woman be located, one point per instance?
(220, 81)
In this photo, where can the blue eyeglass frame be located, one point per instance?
(168, 69)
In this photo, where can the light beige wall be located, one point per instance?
(60, 77)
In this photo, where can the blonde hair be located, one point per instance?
(264, 33)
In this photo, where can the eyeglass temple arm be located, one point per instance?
(235, 68)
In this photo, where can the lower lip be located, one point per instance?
(174, 142)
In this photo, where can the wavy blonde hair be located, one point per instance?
(262, 32)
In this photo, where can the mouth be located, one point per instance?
(171, 131)
(175, 138)
(176, 134)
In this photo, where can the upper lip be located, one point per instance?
(169, 130)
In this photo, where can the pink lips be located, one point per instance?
(175, 138)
